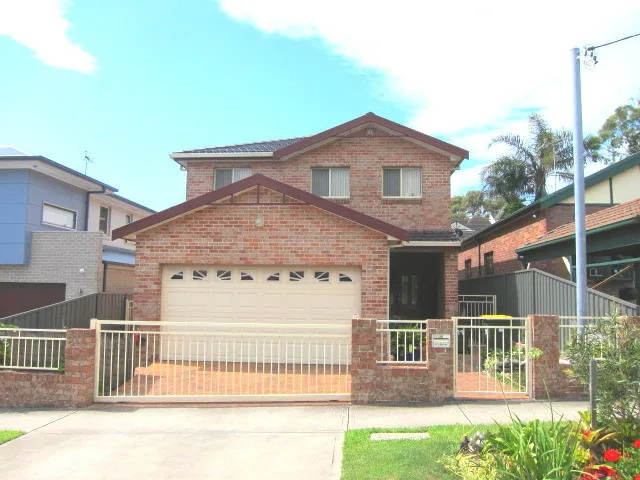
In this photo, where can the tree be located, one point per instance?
(522, 174)
(620, 133)
(478, 204)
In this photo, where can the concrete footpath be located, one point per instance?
(276, 442)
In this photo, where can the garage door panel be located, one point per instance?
(277, 295)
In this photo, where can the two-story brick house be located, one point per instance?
(353, 220)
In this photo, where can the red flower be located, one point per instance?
(612, 455)
(608, 471)
(637, 477)
(636, 444)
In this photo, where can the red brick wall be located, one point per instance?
(73, 388)
(373, 383)
(365, 156)
(504, 242)
(291, 235)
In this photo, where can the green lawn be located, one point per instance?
(6, 435)
(402, 459)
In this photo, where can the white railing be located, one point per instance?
(477, 305)
(32, 349)
(401, 342)
(570, 329)
(196, 361)
(491, 356)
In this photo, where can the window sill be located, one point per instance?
(45, 224)
(404, 200)
(340, 200)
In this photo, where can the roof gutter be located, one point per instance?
(191, 156)
(604, 228)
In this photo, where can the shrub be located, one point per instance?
(615, 342)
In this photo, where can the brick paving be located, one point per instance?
(213, 378)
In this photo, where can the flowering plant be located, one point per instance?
(617, 464)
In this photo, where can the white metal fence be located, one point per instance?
(491, 356)
(197, 361)
(32, 349)
(401, 341)
(477, 305)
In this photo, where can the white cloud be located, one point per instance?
(470, 70)
(40, 26)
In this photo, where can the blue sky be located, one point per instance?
(131, 82)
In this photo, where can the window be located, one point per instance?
(343, 277)
(296, 276)
(402, 182)
(103, 223)
(467, 268)
(273, 277)
(246, 276)
(224, 275)
(488, 263)
(227, 176)
(199, 274)
(177, 276)
(330, 182)
(128, 218)
(321, 276)
(60, 217)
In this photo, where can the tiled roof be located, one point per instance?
(433, 236)
(476, 224)
(256, 147)
(608, 216)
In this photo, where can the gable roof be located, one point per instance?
(609, 216)
(560, 195)
(269, 146)
(287, 148)
(256, 180)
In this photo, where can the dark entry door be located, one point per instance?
(20, 297)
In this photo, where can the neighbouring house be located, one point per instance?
(613, 249)
(350, 221)
(466, 228)
(493, 250)
(55, 226)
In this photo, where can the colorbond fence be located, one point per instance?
(532, 291)
(75, 313)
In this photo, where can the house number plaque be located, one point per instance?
(441, 340)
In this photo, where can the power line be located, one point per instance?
(590, 49)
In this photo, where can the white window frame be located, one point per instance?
(234, 170)
(75, 216)
(401, 192)
(348, 169)
(128, 216)
(108, 219)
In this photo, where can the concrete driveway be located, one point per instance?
(283, 442)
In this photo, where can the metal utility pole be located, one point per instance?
(578, 193)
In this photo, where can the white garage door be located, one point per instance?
(266, 295)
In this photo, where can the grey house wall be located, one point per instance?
(532, 291)
(70, 257)
(22, 194)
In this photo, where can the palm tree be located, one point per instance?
(524, 171)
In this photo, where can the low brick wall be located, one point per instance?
(73, 388)
(549, 379)
(373, 383)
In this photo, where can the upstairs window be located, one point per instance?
(58, 216)
(227, 176)
(103, 222)
(402, 182)
(330, 182)
(128, 218)
(467, 268)
(488, 263)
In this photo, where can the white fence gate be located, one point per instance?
(203, 361)
(477, 305)
(491, 357)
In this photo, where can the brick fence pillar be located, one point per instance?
(79, 371)
(441, 360)
(363, 360)
(548, 376)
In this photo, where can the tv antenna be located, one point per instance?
(87, 161)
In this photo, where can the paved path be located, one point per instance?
(283, 442)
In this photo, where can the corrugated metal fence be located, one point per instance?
(74, 313)
(532, 291)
